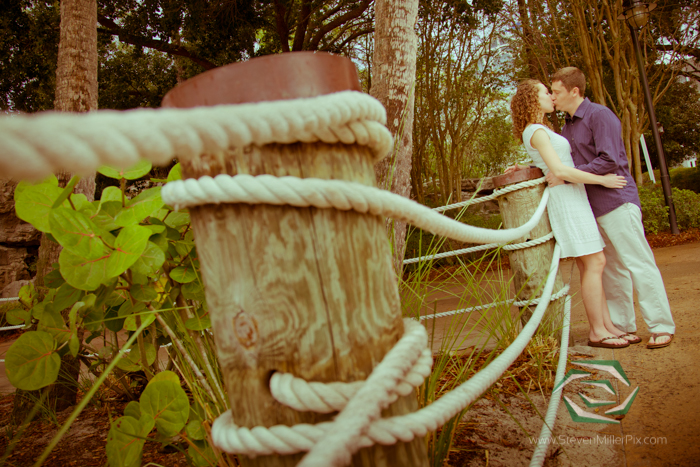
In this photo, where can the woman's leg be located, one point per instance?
(591, 269)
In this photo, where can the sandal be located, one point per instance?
(602, 344)
(636, 339)
(655, 335)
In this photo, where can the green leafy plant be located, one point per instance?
(127, 266)
(655, 211)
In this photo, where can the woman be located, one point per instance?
(570, 214)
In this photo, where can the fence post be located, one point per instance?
(301, 290)
(530, 265)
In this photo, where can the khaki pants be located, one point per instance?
(631, 265)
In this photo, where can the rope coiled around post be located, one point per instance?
(34, 146)
(328, 449)
(337, 194)
(463, 251)
(496, 193)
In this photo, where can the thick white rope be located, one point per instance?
(463, 251)
(317, 397)
(551, 416)
(519, 303)
(284, 440)
(494, 195)
(338, 194)
(34, 146)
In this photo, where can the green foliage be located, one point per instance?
(125, 265)
(31, 362)
(686, 178)
(655, 211)
(28, 53)
(679, 113)
(687, 204)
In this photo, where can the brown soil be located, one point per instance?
(496, 430)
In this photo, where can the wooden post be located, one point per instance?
(301, 290)
(530, 265)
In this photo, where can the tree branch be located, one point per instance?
(282, 26)
(342, 19)
(111, 28)
(302, 25)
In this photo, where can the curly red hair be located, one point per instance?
(525, 108)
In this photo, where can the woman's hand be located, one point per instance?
(614, 181)
(516, 167)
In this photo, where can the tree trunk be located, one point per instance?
(393, 85)
(76, 91)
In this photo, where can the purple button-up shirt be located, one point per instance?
(595, 135)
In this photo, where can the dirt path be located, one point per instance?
(660, 429)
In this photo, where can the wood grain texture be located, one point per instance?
(302, 290)
(531, 265)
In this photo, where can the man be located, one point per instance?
(595, 135)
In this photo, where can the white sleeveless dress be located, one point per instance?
(574, 226)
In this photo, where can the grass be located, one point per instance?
(494, 330)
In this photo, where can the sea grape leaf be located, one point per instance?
(130, 244)
(143, 292)
(31, 362)
(198, 324)
(66, 296)
(133, 409)
(175, 173)
(125, 441)
(54, 279)
(74, 231)
(85, 272)
(134, 172)
(142, 206)
(52, 323)
(131, 361)
(183, 274)
(165, 401)
(130, 323)
(193, 291)
(150, 260)
(18, 316)
(33, 204)
(27, 295)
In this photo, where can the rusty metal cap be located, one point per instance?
(517, 177)
(290, 75)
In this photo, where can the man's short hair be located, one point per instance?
(571, 77)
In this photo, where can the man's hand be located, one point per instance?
(515, 168)
(614, 181)
(553, 180)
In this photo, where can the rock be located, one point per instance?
(12, 289)
(14, 231)
(7, 195)
(14, 265)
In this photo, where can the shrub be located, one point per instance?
(687, 204)
(655, 211)
(686, 178)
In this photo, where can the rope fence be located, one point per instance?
(51, 141)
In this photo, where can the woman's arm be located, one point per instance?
(540, 141)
